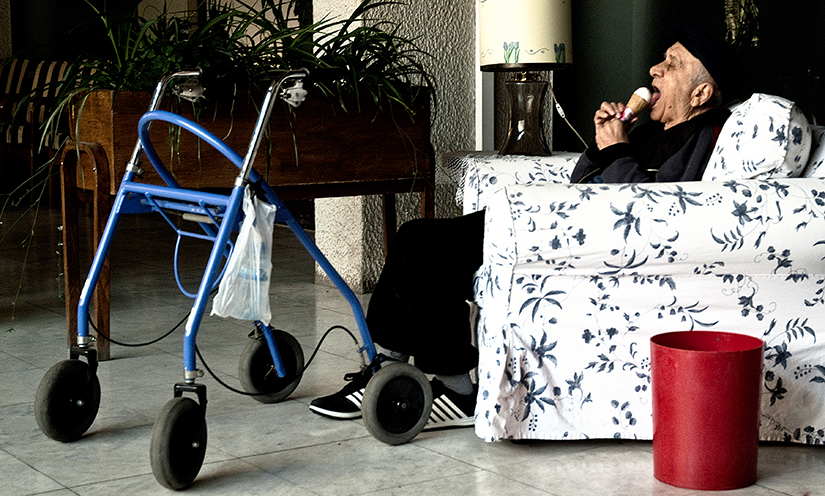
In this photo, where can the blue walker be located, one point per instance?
(397, 400)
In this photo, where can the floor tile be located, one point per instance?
(607, 469)
(464, 445)
(234, 477)
(477, 483)
(19, 478)
(106, 453)
(277, 427)
(18, 425)
(255, 448)
(358, 466)
(18, 386)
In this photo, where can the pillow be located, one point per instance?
(765, 136)
(816, 161)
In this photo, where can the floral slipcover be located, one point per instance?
(816, 162)
(576, 279)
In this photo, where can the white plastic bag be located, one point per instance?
(244, 290)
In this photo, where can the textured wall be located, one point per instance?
(348, 230)
(446, 30)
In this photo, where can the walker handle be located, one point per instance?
(160, 89)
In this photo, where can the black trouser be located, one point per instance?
(419, 306)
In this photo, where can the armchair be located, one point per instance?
(35, 83)
(576, 278)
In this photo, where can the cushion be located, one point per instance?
(816, 161)
(766, 136)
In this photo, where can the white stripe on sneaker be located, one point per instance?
(445, 413)
(356, 398)
(444, 409)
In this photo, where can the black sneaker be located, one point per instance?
(451, 409)
(346, 403)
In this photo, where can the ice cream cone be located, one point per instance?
(639, 101)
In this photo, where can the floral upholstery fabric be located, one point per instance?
(765, 136)
(816, 161)
(485, 174)
(576, 279)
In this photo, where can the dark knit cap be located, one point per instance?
(717, 57)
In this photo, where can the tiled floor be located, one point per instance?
(266, 449)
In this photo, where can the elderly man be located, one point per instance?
(688, 89)
(419, 305)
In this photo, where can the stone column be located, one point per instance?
(343, 225)
(348, 230)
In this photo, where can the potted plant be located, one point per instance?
(242, 49)
(380, 85)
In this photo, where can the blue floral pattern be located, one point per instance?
(576, 279)
(485, 174)
(765, 136)
(816, 161)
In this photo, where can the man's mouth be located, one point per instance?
(655, 96)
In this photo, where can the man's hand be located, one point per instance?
(609, 128)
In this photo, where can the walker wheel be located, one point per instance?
(257, 372)
(67, 400)
(178, 443)
(397, 403)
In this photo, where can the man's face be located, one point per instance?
(672, 88)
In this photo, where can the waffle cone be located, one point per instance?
(637, 103)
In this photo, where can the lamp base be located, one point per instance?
(525, 133)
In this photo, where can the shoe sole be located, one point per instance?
(335, 415)
(450, 424)
(355, 398)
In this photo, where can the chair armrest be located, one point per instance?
(660, 229)
(486, 174)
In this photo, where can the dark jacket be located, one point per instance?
(654, 154)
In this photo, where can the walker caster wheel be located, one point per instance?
(67, 400)
(397, 403)
(178, 443)
(257, 372)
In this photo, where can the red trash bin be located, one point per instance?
(706, 395)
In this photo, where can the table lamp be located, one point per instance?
(522, 36)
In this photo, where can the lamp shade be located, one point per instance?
(525, 34)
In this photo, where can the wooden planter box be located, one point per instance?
(339, 153)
